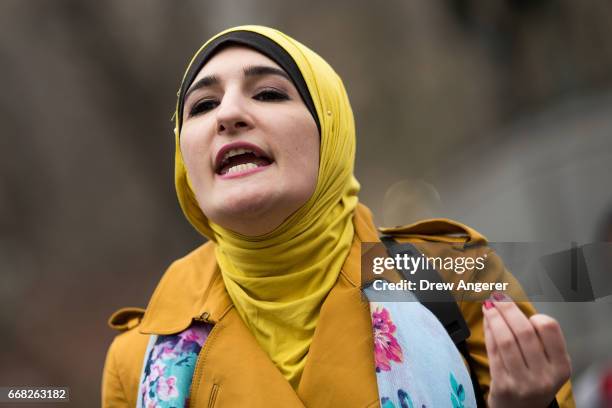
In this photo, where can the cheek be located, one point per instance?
(311, 165)
(195, 151)
(302, 149)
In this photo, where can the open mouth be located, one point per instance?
(239, 158)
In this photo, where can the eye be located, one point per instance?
(271, 95)
(203, 106)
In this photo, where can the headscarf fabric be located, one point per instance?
(279, 280)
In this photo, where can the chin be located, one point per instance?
(247, 203)
(253, 208)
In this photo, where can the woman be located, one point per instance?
(270, 311)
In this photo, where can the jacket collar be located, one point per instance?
(191, 289)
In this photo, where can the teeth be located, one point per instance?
(241, 167)
(235, 152)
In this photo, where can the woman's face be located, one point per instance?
(250, 145)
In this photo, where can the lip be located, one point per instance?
(239, 145)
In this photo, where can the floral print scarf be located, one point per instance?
(169, 364)
(417, 363)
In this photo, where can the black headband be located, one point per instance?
(260, 43)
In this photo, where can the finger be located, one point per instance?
(496, 364)
(506, 343)
(527, 338)
(555, 349)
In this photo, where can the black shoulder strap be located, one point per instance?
(443, 307)
(441, 303)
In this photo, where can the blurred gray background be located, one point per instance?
(497, 114)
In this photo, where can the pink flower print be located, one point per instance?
(148, 402)
(166, 388)
(167, 353)
(386, 346)
(144, 392)
(152, 404)
(195, 335)
(157, 370)
(158, 349)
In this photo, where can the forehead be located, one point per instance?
(232, 60)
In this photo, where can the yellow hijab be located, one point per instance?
(278, 281)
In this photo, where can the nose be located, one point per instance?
(232, 115)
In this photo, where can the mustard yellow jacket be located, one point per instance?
(233, 371)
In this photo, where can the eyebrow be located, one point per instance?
(251, 71)
(259, 70)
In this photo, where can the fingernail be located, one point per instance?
(488, 304)
(499, 296)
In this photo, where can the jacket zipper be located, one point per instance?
(203, 318)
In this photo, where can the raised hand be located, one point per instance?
(528, 359)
